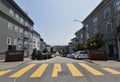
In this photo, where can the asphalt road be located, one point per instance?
(60, 69)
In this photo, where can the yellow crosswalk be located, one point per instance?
(111, 70)
(39, 71)
(74, 70)
(90, 69)
(4, 72)
(22, 71)
(57, 68)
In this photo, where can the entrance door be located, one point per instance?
(111, 51)
(25, 52)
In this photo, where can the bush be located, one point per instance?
(39, 55)
(34, 53)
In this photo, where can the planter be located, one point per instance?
(97, 54)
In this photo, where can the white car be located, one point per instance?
(81, 55)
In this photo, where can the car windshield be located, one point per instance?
(83, 52)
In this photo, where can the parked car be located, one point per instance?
(81, 55)
(68, 56)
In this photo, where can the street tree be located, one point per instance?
(78, 47)
(95, 42)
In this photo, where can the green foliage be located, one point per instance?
(51, 50)
(45, 50)
(38, 55)
(34, 53)
(64, 52)
(78, 47)
(95, 42)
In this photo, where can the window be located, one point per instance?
(11, 12)
(26, 23)
(17, 17)
(21, 20)
(118, 22)
(81, 36)
(109, 28)
(9, 41)
(95, 21)
(20, 43)
(10, 26)
(26, 33)
(16, 29)
(117, 5)
(96, 30)
(87, 35)
(21, 31)
(107, 13)
(15, 41)
(86, 27)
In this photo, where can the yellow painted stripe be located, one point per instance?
(111, 70)
(4, 72)
(56, 70)
(74, 71)
(91, 70)
(39, 71)
(22, 71)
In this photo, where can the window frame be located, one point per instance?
(15, 41)
(115, 3)
(107, 27)
(10, 40)
(11, 12)
(107, 10)
(16, 28)
(95, 21)
(20, 43)
(17, 16)
(10, 26)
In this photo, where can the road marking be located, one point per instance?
(4, 72)
(56, 70)
(39, 71)
(74, 71)
(111, 70)
(90, 69)
(22, 71)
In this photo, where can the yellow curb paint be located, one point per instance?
(90, 69)
(74, 71)
(4, 72)
(111, 70)
(56, 70)
(22, 71)
(39, 71)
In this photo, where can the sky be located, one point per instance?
(54, 19)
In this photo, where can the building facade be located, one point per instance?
(16, 27)
(104, 19)
(43, 45)
(80, 36)
(36, 40)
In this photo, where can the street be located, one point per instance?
(60, 69)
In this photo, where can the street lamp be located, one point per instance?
(78, 21)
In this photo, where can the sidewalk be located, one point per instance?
(8, 65)
(109, 63)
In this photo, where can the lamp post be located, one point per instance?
(83, 31)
